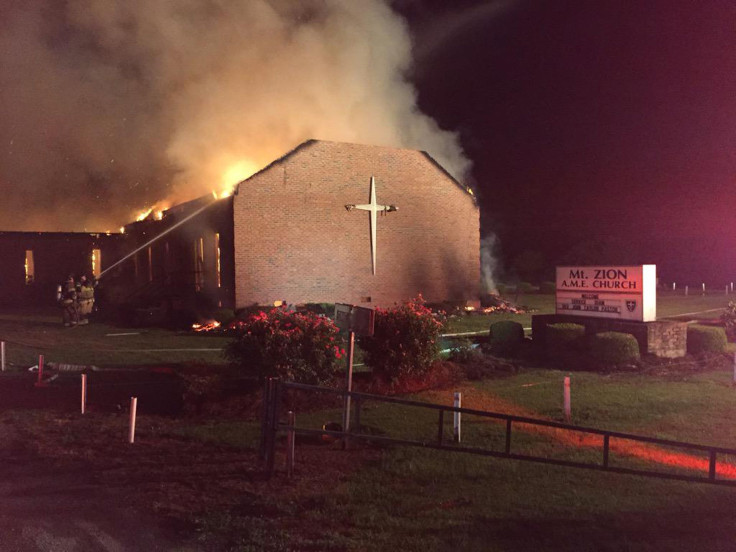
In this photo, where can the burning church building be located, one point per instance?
(327, 222)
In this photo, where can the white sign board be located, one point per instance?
(619, 292)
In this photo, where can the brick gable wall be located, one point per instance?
(295, 241)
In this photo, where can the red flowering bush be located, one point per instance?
(300, 347)
(405, 341)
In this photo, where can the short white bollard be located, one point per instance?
(674, 286)
(703, 288)
(686, 289)
(84, 393)
(133, 407)
(568, 413)
(456, 417)
(2, 354)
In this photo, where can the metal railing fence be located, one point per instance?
(271, 425)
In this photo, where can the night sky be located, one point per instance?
(600, 132)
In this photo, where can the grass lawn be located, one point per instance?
(406, 498)
(418, 499)
(29, 334)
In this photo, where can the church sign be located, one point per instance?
(618, 292)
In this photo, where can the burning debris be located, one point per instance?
(495, 304)
(206, 326)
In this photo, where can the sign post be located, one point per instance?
(355, 320)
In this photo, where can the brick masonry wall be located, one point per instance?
(295, 241)
(662, 338)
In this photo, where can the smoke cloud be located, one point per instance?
(107, 107)
(488, 264)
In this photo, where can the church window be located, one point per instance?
(198, 264)
(30, 268)
(150, 264)
(96, 262)
(217, 260)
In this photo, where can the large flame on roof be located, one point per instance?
(234, 174)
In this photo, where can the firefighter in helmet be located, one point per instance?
(68, 302)
(85, 299)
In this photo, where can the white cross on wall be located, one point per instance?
(372, 209)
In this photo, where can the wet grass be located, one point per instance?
(418, 499)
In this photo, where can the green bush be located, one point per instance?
(301, 347)
(705, 339)
(405, 340)
(463, 352)
(548, 288)
(525, 287)
(728, 317)
(563, 340)
(614, 348)
(506, 337)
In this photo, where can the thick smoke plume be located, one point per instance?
(109, 106)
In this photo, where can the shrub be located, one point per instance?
(548, 288)
(405, 340)
(705, 339)
(525, 287)
(506, 337)
(564, 340)
(728, 317)
(614, 348)
(463, 352)
(301, 347)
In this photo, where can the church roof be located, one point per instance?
(312, 142)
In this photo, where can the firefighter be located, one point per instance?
(68, 302)
(85, 299)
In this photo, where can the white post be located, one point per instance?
(84, 392)
(456, 418)
(674, 286)
(568, 414)
(2, 354)
(290, 444)
(731, 287)
(133, 408)
(703, 288)
(686, 289)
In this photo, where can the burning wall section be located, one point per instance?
(180, 261)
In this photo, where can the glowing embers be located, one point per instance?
(206, 326)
